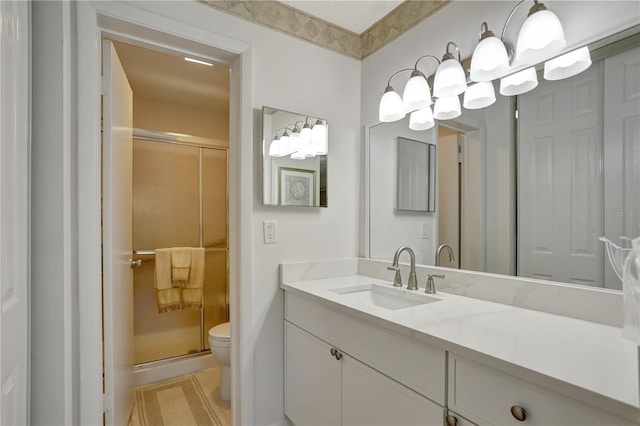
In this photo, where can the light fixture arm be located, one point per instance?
(396, 73)
(510, 16)
(419, 59)
(449, 55)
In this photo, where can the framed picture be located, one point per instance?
(297, 187)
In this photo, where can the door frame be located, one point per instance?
(164, 25)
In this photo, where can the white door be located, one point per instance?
(14, 211)
(312, 375)
(117, 152)
(622, 153)
(472, 201)
(560, 184)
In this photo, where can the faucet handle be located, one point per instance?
(397, 279)
(431, 285)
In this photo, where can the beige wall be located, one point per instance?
(152, 114)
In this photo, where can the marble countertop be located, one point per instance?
(583, 354)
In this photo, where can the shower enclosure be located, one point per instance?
(180, 199)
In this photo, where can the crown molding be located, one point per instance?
(293, 22)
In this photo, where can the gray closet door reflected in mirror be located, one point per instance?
(416, 176)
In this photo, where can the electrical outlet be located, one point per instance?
(270, 228)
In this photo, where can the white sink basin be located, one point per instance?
(383, 296)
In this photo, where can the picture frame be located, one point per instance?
(297, 187)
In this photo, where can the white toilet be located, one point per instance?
(220, 344)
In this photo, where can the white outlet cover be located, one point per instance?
(270, 231)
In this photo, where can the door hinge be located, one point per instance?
(107, 403)
(460, 157)
(104, 85)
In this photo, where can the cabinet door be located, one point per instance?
(312, 393)
(371, 398)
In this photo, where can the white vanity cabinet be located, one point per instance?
(324, 386)
(491, 397)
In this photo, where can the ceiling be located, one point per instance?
(353, 15)
(182, 82)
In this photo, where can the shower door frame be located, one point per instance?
(157, 27)
(201, 144)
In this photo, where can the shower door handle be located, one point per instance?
(135, 263)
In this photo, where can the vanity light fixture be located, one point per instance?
(540, 37)
(305, 133)
(568, 65)
(294, 139)
(417, 93)
(391, 107)
(447, 108)
(490, 58)
(319, 138)
(450, 79)
(519, 83)
(479, 95)
(421, 119)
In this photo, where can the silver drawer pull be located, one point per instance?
(333, 352)
(135, 263)
(338, 355)
(519, 413)
(451, 420)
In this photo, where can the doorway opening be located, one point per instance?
(461, 195)
(178, 200)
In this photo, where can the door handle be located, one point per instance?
(135, 263)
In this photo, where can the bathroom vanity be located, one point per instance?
(358, 351)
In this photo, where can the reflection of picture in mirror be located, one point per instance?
(297, 187)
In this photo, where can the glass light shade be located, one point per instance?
(567, 65)
(391, 107)
(450, 79)
(298, 155)
(305, 134)
(490, 60)
(479, 95)
(421, 119)
(294, 141)
(519, 83)
(447, 108)
(540, 37)
(319, 138)
(274, 148)
(417, 94)
(284, 145)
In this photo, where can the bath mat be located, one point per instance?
(181, 402)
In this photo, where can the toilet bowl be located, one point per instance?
(220, 344)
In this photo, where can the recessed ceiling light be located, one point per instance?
(198, 62)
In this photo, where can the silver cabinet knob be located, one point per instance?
(135, 263)
(451, 420)
(519, 413)
(337, 355)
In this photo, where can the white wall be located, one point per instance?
(287, 73)
(390, 228)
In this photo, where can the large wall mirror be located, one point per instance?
(294, 159)
(526, 186)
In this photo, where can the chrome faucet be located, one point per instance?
(397, 280)
(452, 258)
(431, 285)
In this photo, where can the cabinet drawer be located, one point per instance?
(416, 365)
(486, 396)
